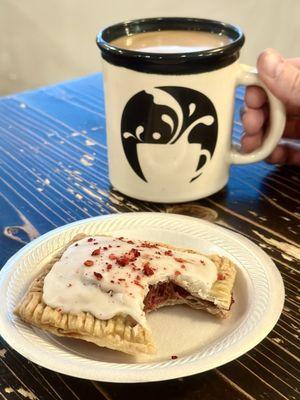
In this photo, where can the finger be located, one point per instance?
(293, 155)
(250, 143)
(285, 154)
(292, 128)
(281, 77)
(294, 61)
(253, 120)
(278, 156)
(255, 97)
(293, 110)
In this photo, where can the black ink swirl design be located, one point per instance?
(166, 115)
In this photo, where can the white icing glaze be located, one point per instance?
(74, 287)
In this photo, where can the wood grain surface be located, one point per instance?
(53, 170)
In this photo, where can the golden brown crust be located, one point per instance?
(222, 288)
(118, 333)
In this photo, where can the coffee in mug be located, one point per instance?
(171, 41)
(169, 94)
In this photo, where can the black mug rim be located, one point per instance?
(170, 63)
(136, 26)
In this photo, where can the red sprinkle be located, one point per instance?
(174, 357)
(178, 259)
(98, 276)
(149, 245)
(177, 273)
(168, 253)
(96, 252)
(148, 271)
(138, 284)
(133, 254)
(121, 238)
(112, 257)
(88, 263)
(90, 239)
(123, 260)
(109, 267)
(221, 277)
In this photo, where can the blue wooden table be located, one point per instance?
(53, 170)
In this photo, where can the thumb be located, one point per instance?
(280, 76)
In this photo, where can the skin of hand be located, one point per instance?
(282, 78)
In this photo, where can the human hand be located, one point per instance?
(282, 78)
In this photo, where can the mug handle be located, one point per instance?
(248, 76)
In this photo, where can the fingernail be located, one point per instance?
(273, 64)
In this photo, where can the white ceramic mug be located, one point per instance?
(169, 117)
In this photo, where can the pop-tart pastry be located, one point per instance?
(100, 288)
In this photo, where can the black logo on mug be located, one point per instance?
(169, 115)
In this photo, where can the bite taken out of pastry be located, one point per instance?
(100, 288)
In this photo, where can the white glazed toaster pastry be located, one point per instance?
(99, 289)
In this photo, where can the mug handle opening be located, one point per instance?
(248, 76)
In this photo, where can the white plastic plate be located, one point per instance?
(200, 341)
